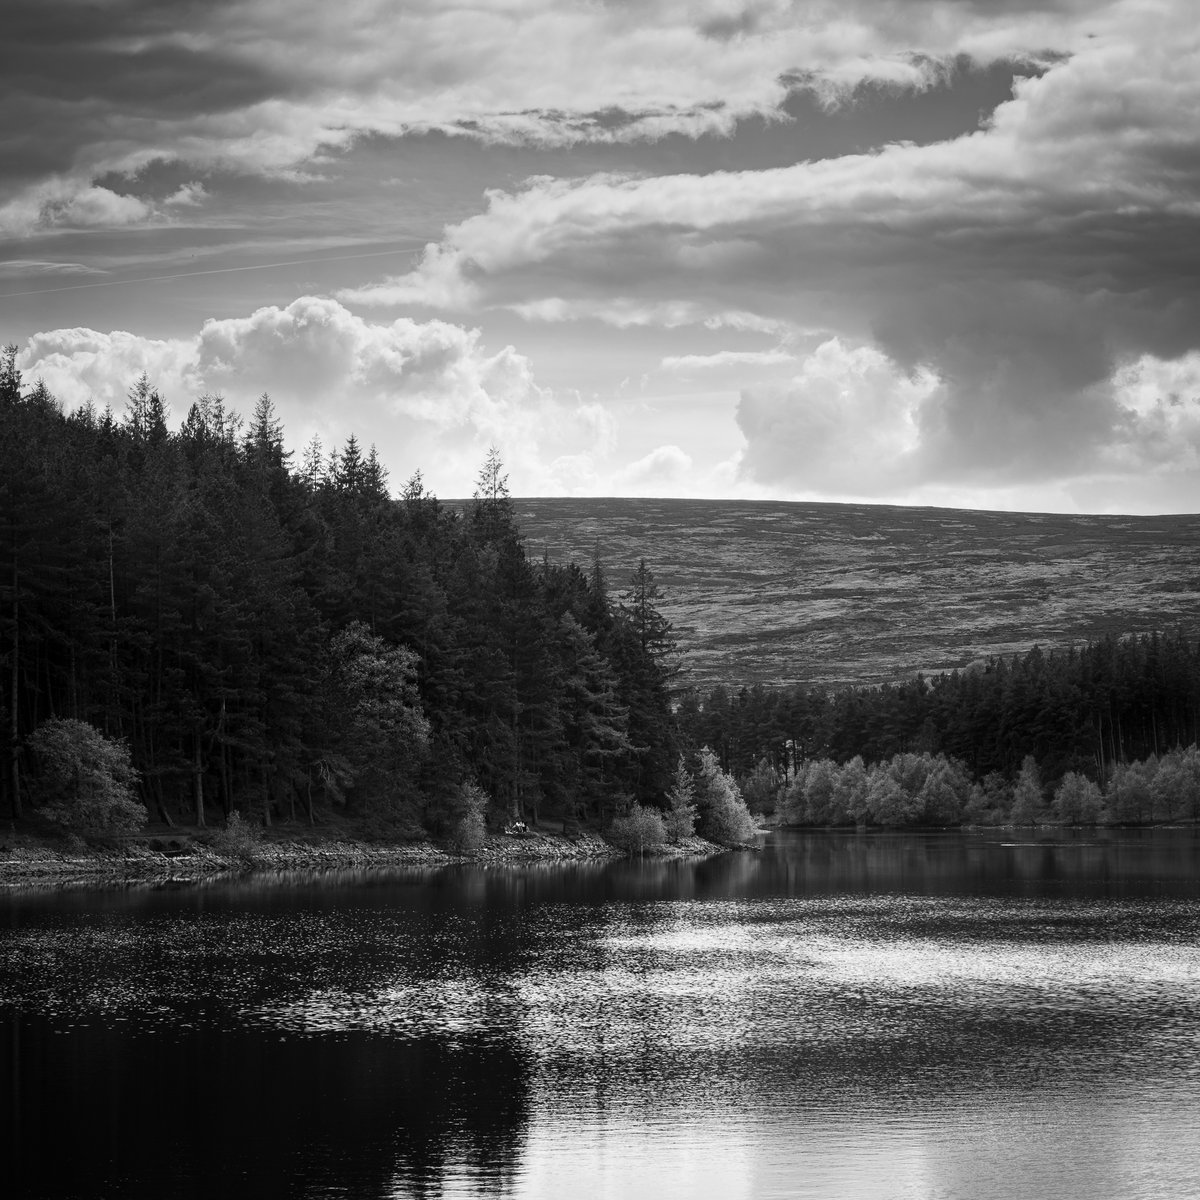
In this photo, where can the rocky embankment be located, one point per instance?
(182, 858)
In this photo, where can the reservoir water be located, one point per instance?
(860, 1016)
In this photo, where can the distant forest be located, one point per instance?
(275, 639)
(1122, 714)
(1085, 709)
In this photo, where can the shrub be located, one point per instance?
(84, 779)
(469, 805)
(638, 830)
(239, 838)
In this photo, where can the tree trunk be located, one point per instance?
(198, 777)
(15, 760)
(160, 803)
(266, 787)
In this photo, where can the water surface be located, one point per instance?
(839, 1016)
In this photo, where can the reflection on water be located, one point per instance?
(838, 1015)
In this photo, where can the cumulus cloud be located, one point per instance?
(854, 423)
(429, 393)
(82, 365)
(441, 280)
(665, 467)
(188, 195)
(845, 423)
(72, 203)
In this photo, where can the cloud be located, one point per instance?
(847, 423)
(72, 203)
(688, 363)
(429, 393)
(188, 195)
(82, 365)
(439, 281)
(1019, 267)
(40, 266)
(665, 467)
(622, 312)
(249, 87)
(853, 423)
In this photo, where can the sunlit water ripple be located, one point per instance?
(859, 1045)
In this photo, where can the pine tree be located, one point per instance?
(10, 377)
(312, 463)
(680, 818)
(642, 646)
(492, 514)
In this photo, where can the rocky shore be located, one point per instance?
(182, 859)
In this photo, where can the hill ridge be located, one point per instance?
(782, 592)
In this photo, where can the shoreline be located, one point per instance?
(28, 868)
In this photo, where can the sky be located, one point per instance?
(940, 252)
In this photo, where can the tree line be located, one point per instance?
(281, 639)
(1115, 714)
(912, 789)
(1086, 709)
(277, 640)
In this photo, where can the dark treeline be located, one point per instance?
(1083, 709)
(276, 640)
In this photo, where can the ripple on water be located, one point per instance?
(905, 991)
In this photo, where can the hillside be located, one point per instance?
(763, 592)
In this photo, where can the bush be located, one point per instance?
(638, 830)
(239, 838)
(84, 779)
(469, 806)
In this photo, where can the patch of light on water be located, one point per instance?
(862, 1045)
